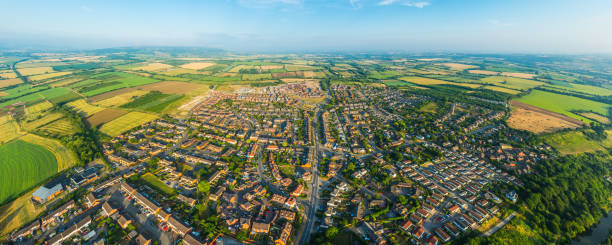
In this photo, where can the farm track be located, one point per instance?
(547, 112)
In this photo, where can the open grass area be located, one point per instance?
(430, 107)
(563, 104)
(126, 122)
(157, 184)
(512, 82)
(517, 232)
(84, 108)
(23, 165)
(575, 142)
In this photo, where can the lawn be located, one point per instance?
(126, 122)
(575, 142)
(154, 182)
(512, 82)
(23, 165)
(563, 104)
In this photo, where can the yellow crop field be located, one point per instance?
(7, 74)
(431, 81)
(518, 74)
(178, 71)
(153, 67)
(8, 129)
(120, 99)
(37, 108)
(48, 75)
(34, 122)
(35, 70)
(483, 72)
(240, 67)
(197, 65)
(459, 66)
(512, 82)
(85, 108)
(65, 157)
(60, 127)
(270, 67)
(10, 82)
(126, 122)
(500, 89)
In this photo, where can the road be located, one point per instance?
(304, 236)
(500, 225)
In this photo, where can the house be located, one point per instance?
(298, 190)
(443, 235)
(190, 240)
(407, 226)
(177, 226)
(189, 201)
(142, 240)
(512, 196)
(107, 210)
(288, 215)
(260, 228)
(44, 194)
(123, 221)
(90, 200)
(285, 233)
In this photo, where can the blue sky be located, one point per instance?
(517, 26)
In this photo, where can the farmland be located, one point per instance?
(536, 121)
(563, 104)
(459, 66)
(84, 108)
(197, 65)
(153, 101)
(48, 75)
(8, 129)
(23, 165)
(430, 81)
(119, 99)
(10, 82)
(112, 81)
(581, 88)
(35, 70)
(104, 116)
(126, 122)
(60, 127)
(502, 89)
(153, 67)
(512, 82)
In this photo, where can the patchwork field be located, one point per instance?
(120, 99)
(153, 101)
(575, 142)
(518, 74)
(38, 108)
(34, 122)
(459, 66)
(111, 81)
(35, 70)
(503, 90)
(483, 72)
(512, 82)
(563, 104)
(7, 74)
(171, 87)
(84, 108)
(126, 122)
(256, 76)
(430, 81)
(536, 120)
(61, 127)
(48, 75)
(8, 129)
(23, 165)
(104, 116)
(197, 65)
(10, 82)
(153, 67)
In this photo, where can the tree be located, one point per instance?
(204, 187)
(241, 236)
(331, 233)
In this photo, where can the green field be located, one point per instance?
(563, 104)
(256, 76)
(154, 182)
(126, 122)
(23, 165)
(575, 142)
(153, 101)
(383, 74)
(111, 81)
(587, 89)
(512, 82)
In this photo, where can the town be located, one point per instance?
(284, 165)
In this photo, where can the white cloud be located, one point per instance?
(267, 3)
(419, 4)
(356, 4)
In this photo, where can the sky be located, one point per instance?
(481, 26)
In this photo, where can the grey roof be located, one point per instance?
(44, 192)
